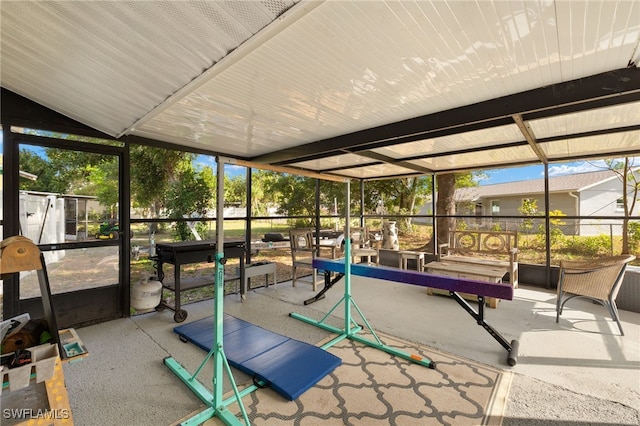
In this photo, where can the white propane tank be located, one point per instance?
(146, 295)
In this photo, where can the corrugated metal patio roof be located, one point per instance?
(358, 89)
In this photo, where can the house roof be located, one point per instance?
(567, 183)
(351, 89)
(21, 173)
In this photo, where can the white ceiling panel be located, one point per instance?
(468, 140)
(386, 170)
(615, 143)
(306, 85)
(337, 161)
(479, 160)
(252, 79)
(587, 121)
(593, 34)
(107, 64)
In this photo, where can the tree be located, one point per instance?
(555, 229)
(445, 206)
(624, 169)
(39, 166)
(528, 208)
(73, 168)
(402, 196)
(103, 180)
(294, 195)
(192, 195)
(235, 190)
(446, 185)
(62, 171)
(261, 199)
(153, 171)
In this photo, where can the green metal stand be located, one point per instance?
(351, 328)
(214, 400)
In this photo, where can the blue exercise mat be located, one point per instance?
(288, 366)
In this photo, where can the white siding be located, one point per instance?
(600, 200)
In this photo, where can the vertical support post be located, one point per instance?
(216, 405)
(249, 185)
(124, 216)
(347, 263)
(434, 225)
(317, 218)
(547, 223)
(218, 309)
(361, 203)
(11, 221)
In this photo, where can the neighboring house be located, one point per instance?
(582, 194)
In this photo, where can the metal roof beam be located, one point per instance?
(389, 160)
(530, 137)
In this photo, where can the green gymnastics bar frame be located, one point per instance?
(351, 328)
(216, 406)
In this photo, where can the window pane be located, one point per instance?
(69, 196)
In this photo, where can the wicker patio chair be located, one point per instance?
(596, 279)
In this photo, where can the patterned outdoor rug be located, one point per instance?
(372, 387)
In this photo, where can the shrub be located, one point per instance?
(589, 246)
(634, 236)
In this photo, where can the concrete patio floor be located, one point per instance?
(576, 372)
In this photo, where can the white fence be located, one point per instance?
(42, 220)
